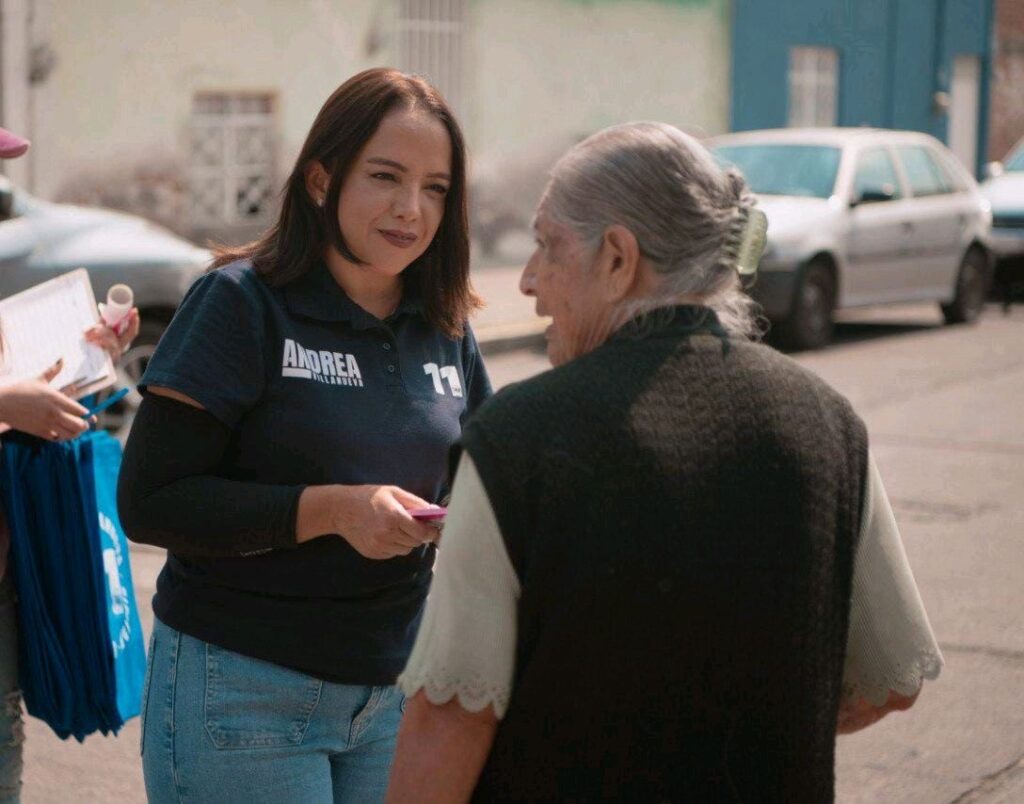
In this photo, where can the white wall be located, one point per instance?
(127, 72)
(14, 113)
(539, 73)
(555, 69)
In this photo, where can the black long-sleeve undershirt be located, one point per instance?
(169, 495)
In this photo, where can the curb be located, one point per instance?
(501, 338)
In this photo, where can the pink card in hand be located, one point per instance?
(428, 514)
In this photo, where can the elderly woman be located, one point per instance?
(670, 570)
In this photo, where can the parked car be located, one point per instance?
(860, 217)
(40, 240)
(1004, 189)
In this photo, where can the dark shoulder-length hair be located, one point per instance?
(350, 117)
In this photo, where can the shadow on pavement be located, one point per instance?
(857, 331)
(868, 324)
(851, 332)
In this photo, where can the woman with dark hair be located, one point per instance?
(300, 405)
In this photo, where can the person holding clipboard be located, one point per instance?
(34, 407)
(297, 411)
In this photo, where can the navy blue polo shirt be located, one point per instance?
(316, 391)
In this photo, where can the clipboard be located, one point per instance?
(48, 321)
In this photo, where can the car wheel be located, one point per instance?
(118, 418)
(971, 288)
(809, 325)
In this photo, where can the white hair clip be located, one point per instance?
(753, 240)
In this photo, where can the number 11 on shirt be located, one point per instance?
(448, 373)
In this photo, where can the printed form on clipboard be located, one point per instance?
(47, 322)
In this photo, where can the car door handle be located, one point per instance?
(908, 226)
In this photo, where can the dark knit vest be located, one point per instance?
(682, 511)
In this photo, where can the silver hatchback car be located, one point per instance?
(857, 217)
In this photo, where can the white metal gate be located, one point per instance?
(231, 170)
(429, 42)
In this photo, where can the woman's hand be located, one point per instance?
(36, 407)
(113, 344)
(857, 714)
(373, 519)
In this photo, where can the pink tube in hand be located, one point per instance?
(115, 312)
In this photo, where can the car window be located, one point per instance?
(1016, 160)
(925, 175)
(952, 169)
(875, 173)
(801, 170)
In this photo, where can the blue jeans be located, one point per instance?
(12, 729)
(221, 727)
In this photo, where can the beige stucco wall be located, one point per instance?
(15, 106)
(538, 73)
(127, 72)
(557, 69)
(545, 73)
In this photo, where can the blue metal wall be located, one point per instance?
(894, 55)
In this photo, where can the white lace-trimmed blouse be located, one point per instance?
(466, 643)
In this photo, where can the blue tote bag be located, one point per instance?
(126, 640)
(82, 658)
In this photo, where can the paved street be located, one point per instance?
(944, 410)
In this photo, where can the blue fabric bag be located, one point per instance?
(82, 659)
(125, 629)
(46, 688)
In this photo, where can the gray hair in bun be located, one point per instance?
(694, 221)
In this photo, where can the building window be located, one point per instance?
(429, 42)
(813, 86)
(231, 173)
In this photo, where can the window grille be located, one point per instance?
(813, 86)
(232, 159)
(429, 42)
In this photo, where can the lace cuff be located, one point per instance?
(466, 644)
(474, 693)
(903, 678)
